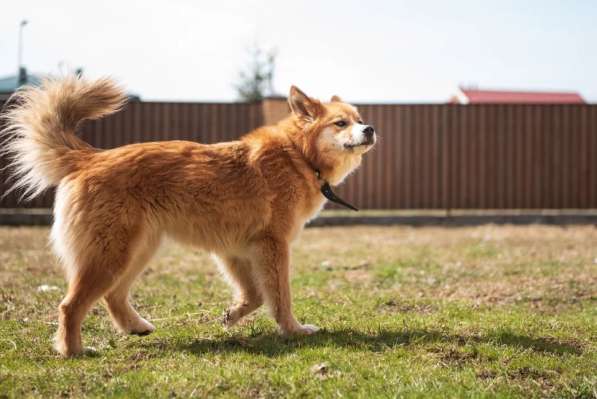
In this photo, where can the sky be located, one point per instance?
(364, 51)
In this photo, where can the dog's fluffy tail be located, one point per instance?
(39, 128)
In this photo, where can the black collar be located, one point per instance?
(325, 188)
(327, 192)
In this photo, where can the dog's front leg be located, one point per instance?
(271, 262)
(239, 273)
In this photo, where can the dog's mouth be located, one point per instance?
(366, 143)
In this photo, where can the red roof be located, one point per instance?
(477, 96)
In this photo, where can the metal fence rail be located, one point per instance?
(428, 156)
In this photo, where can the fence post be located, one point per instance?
(274, 109)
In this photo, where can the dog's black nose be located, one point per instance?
(369, 131)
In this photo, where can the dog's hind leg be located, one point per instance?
(85, 288)
(124, 317)
(96, 253)
(239, 274)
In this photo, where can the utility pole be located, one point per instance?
(22, 71)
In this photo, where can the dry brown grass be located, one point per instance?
(545, 266)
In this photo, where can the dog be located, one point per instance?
(243, 201)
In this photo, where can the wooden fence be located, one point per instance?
(427, 157)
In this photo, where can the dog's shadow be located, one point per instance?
(273, 345)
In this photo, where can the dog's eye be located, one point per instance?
(340, 123)
(360, 122)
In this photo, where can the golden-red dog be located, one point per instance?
(244, 201)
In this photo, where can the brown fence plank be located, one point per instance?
(429, 156)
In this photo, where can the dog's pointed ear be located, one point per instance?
(336, 99)
(302, 106)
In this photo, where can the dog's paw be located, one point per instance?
(72, 351)
(141, 327)
(305, 329)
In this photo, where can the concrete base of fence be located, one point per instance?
(456, 220)
(42, 217)
(25, 217)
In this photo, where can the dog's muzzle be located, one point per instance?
(362, 136)
(369, 135)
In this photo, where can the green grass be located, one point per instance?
(409, 312)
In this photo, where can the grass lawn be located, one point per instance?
(416, 312)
